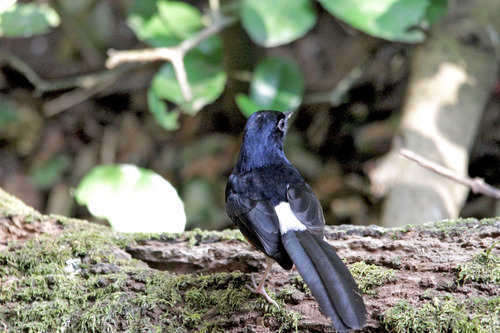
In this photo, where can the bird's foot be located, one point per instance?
(259, 289)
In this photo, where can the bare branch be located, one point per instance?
(181, 75)
(116, 58)
(87, 81)
(173, 54)
(166, 53)
(477, 185)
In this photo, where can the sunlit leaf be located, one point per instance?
(277, 22)
(206, 78)
(395, 20)
(276, 85)
(27, 19)
(163, 22)
(132, 199)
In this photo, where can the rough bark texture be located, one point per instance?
(67, 275)
(452, 75)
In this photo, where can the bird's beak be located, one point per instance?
(288, 114)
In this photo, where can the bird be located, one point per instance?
(278, 213)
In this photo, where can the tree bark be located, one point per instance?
(452, 75)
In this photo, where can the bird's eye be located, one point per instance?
(282, 125)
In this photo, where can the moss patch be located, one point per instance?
(10, 205)
(449, 227)
(369, 276)
(82, 281)
(445, 314)
(483, 268)
(194, 237)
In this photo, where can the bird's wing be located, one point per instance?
(306, 207)
(259, 223)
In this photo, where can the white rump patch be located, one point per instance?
(288, 220)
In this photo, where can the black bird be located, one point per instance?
(277, 212)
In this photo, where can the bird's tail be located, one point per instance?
(328, 278)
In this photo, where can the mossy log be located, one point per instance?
(66, 275)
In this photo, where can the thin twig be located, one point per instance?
(477, 185)
(87, 81)
(70, 99)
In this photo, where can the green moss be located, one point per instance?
(10, 205)
(443, 228)
(194, 237)
(80, 281)
(456, 226)
(445, 314)
(299, 283)
(369, 276)
(483, 268)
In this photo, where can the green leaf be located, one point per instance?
(395, 20)
(163, 22)
(167, 119)
(436, 10)
(26, 20)
(246, 105)
(277, 22)
(206, 78)
(276, 85)
(133, 199)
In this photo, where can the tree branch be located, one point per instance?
(173, 54)
(477, 185)
(87, 81)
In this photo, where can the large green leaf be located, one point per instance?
(163, 22)
(395, 20)
(26, 20)
(133, 199)
(276, 85)
(206, 78)
(277, 22)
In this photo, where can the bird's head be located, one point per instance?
(266, 129)
(263, 140)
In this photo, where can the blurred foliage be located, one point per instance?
(133, 199)
(277, 83)
(395, 20)
(26, 19)
(278, 22)
(8, 115)
(164, 23)
(47, 174)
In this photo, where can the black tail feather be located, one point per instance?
(328, 278)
